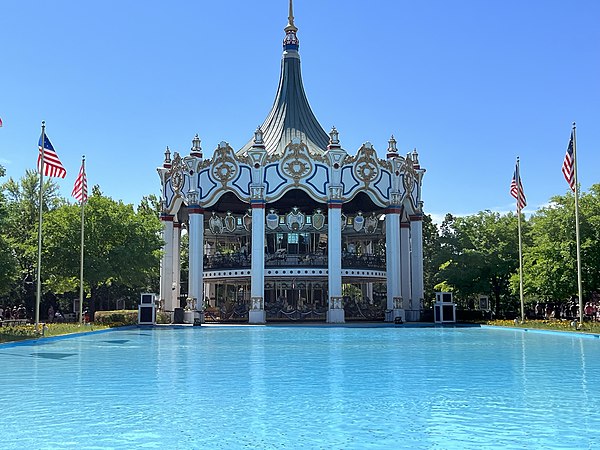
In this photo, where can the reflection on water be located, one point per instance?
(303, 387)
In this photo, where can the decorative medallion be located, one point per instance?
(371, 224)
(410, 175)
(318, 220)
(296, 163)
(176, 172)
(215, 223)
(366, 168)
(272, 220)
(359, 222)
(230, 222)
(247, 221)
(225, 166)
(295, 220)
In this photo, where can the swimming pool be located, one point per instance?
(302, 387)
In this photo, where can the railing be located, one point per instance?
(282, 258)
(350, 261)
(232, 261)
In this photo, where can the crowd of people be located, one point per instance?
(568, 310)
(14, 313)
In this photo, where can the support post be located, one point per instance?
(257, 312)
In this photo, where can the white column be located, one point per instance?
(257, 265)
(335, 312)
(405, 264)
(392, 261)
(416, 244)
(166, 278)
(176, 263)
(196, 263)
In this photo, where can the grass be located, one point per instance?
(24, 332)
(555, 325)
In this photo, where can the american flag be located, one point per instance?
(568, 167)
(52, 165)
(80, 187)
(516, 190)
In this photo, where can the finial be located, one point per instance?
(415, 159)
(258, 137)
(334, 137)
(290, 41)
(392, 145)
(167, 161)
(290, 25)
(196, 149)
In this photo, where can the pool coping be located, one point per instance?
(413, 325)
(542, 331)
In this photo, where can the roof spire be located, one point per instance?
(290, 25)
(290, 41)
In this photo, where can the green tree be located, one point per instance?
(122, 248)
(550, 263)
(431, 257)
(481, 254)
(8, 263)
(20, 229)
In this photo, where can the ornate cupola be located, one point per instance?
(291, 115)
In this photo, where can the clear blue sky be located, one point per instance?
(471, 84)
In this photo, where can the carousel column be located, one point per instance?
(176, 264)
(335, 312)
(196, 264)
(257, 264)
(392, 262)
(405, 264)
(416, 240)
(166, 276)
(368, 287)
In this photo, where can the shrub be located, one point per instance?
(116, 318)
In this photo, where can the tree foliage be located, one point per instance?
(550, 263)
(480, 253)
(121, 246)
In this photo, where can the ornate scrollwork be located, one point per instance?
(410, 176)
(366, 167)
(176, 172)
(296, 163)
(225, 166)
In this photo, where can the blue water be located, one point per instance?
(302, 387)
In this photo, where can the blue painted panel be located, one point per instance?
(168, 192)
(349, 182)
(205, 184)
(273, 179)
(384, 184)
(243, 180)
(320, 179)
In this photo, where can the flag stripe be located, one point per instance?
(80, 187)
(568, 167)
(516, 190)
(52, 165)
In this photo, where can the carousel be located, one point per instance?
(291, 226)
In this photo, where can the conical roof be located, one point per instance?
(291, 115)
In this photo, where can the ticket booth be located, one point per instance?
(444, 309)
(147, 309)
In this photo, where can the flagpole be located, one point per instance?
(81, 258)
(39, 261)
(519, 194)
(577, 237)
